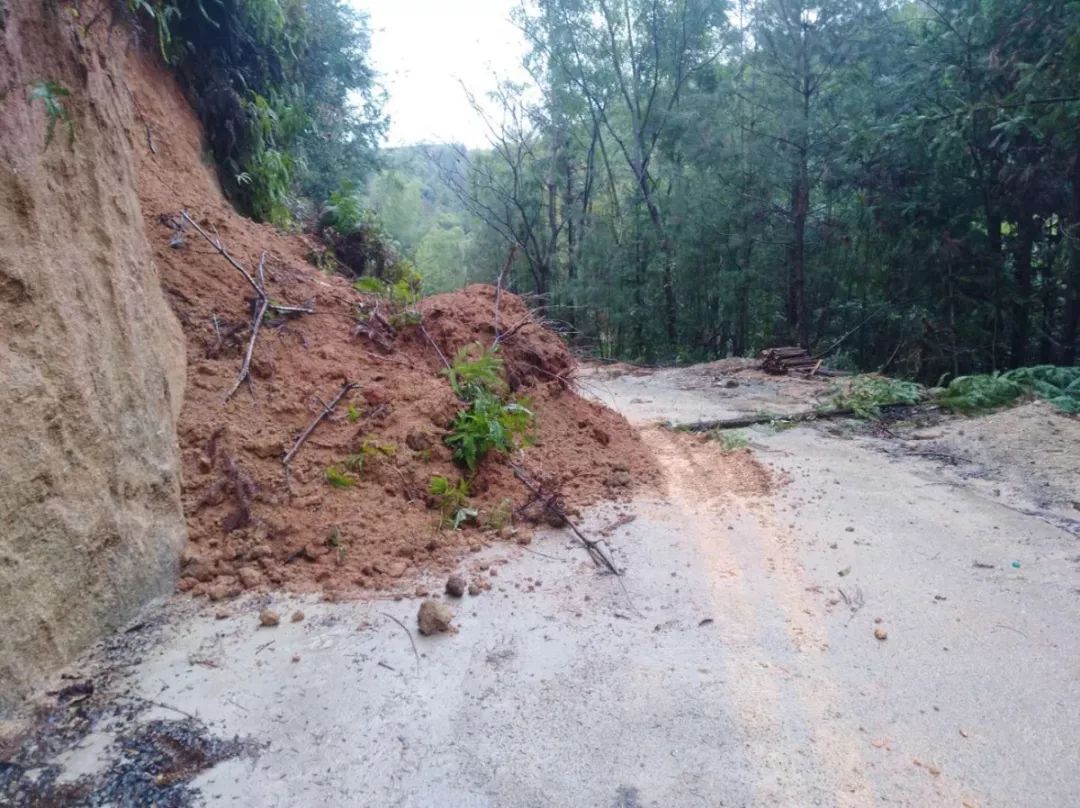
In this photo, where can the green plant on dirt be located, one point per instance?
(866, 395)
(51, 94)
(401, 294)
(369, 451)
(488, 425)
(338, 477)
(1060, 386)
(471, 378)
(335, 542)
(342, 210)
(500, 516)
(352, 414)
(728, 440)
(453, 500)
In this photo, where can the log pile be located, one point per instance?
(779, 361)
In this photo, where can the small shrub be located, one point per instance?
(488, 425)
(470, 378)
(51, 95)
(342, 210)
(868, 394)
(453, 499)
(369, 450)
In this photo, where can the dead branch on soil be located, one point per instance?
(551, 504)
(765, 418)
(768, 418)
(326, 410)
(256, 324)
(307, 308)
(264, 303)
(438, 350)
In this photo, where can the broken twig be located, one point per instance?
(599, 557)
(245, 369)
(326, 410)
(412, 642)
(438, 350)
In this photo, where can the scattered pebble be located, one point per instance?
(268, 618)
(881, 633)
(474, 590)
(297, 616)
(455, 586)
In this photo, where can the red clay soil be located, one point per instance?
(249, 526)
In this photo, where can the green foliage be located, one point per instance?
(283, 88)
(730, 441)
(488, 425)
(453, 501)
(352, 414)
(893, 180)
(369, 451)
(866, 395)
(342, 210)
(51, 94)
(1059, 386)
(338, 477)
(471, 378)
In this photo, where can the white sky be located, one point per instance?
(424, 49)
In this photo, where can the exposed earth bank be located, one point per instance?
(111, 493)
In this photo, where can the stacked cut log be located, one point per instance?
(779, 361)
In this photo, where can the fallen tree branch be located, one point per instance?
(245, 369)
(326, 410)
(259, 288)
(216, 244)
(438, 350)
(599, 557)
(767, 418)
(764, 418)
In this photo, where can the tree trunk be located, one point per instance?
(1071, 322)
(797, 313)
(1021, 304)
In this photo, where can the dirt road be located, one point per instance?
(739, 667)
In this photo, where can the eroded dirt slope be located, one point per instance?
(249, 526)
(91, 358)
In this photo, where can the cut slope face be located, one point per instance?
(91, 359)
(253, 526)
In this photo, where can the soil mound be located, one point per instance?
(250, 524)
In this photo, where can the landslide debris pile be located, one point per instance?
(355, 509)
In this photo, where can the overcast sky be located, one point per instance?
(424, 49)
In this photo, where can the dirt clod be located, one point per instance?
(297, 616)
(455, 586)
(474, 590)
(268, 618)
(880, 633)
(434, 617)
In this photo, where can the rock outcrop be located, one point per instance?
(92, 359)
